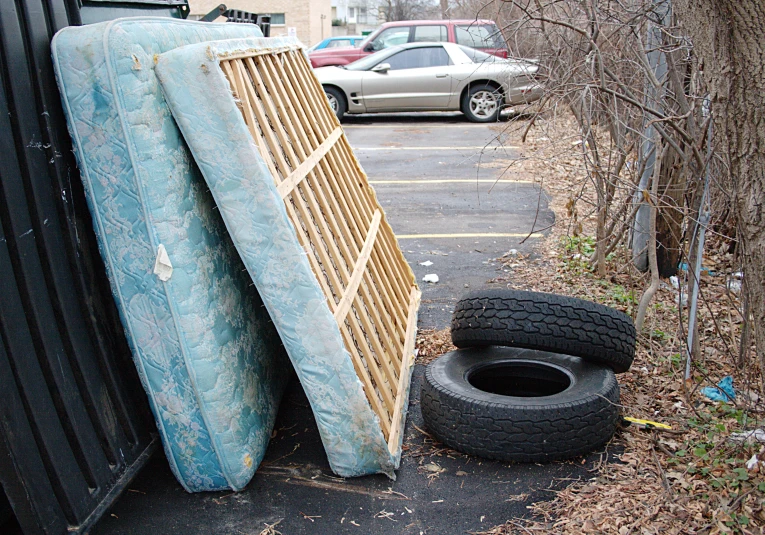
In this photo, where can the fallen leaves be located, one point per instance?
(695, 479)
(432, 343)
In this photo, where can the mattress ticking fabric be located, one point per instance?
(208, 356)
(201, 100)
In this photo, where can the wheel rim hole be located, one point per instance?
(519, 379)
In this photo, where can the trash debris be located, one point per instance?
(751, 463)
(749, 437)
(734, 285)
(645, 424)
(704, 270)
(431, 277)
(722, 392)
(675, 282)
(162, 266)
(427, 263)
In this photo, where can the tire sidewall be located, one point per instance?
(451, 372)
(342, 106)
(472, 90)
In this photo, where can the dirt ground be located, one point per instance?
(700, 476)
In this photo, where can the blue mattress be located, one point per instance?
(207, 353)
(200, 97)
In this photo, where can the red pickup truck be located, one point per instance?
(483, 35)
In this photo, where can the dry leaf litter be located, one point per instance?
(696, 478)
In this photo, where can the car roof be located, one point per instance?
(433, 22)
(421, 44)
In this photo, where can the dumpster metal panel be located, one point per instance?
(74, 421)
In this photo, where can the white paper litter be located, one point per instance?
(162, 266)
(749, 437)
(432, 277)
(751, 463)
(426, 263)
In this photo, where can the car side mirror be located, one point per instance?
(369, 48)
(381, 68)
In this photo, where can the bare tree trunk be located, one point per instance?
(728, 37)
(647, 296)
(670, 220)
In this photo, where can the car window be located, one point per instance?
(418, 58)
(430, 33)
(477, 56)
(479, 36)
(390, 37)
(337, 43)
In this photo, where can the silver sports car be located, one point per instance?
(428, 77)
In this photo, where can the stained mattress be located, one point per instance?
(200, 98)
(204, 346)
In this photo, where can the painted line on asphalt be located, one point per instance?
(453, 181)
(393, 126)
(477, 235)
(481, 147)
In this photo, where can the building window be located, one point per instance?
(277, 19)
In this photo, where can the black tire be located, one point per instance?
(547, 322)
(336, 101)
(475, 108)
(523, 427)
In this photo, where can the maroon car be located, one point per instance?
(483, 35)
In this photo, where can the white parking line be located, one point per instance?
(414, 126)
(477, 235)
(453, 181)
(480, 147)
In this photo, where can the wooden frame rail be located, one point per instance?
(352, 250)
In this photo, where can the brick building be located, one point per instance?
(311, 19)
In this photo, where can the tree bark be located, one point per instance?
(728, 37)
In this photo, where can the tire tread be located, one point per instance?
(547, 322)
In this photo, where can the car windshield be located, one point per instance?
(364, 64)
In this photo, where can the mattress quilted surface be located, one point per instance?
(200, 97)
(207, 352)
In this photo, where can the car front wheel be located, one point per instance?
(336, 101)
(482, 103)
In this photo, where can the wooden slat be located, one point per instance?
(286, 187)
(316, 204)
(358, 271)
(326, 122)
(339, 225)
(386, 365)
(407, 362)
(245, 104)
(350, 246)
(353, 234)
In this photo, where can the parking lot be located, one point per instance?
(450, 199)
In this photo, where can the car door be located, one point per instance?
(418, 78)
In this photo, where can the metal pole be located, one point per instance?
(701, 228)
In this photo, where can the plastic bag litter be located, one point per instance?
(749, 437)
(722, 392)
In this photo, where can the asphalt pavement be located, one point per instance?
(447, 194)
(452, 197)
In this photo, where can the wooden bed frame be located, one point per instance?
(352, 250)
